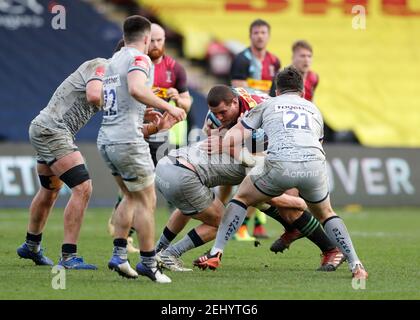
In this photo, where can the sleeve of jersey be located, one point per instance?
(240, 66)
(98, 74)
(140, 63)
(259, 138)
(181, 78)
(253, 119)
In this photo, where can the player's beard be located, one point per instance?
(156, 53)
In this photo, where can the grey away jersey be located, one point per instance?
(213, 170)
(294, 127)
(123, 115)
(68, 108)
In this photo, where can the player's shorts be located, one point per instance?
(309, 177)
(130, 161)
(50, 144)
(182, 187)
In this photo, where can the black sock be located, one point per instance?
(148, 258)
(120, 248)
(33, 241)
(274, 213)
(195, 238)
(120, 242)
(34, 237)
(68, 250)
(312, 229)
(169, 234)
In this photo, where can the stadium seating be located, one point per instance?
(35, 60)
(364, 87)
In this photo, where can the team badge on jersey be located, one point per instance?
(100, 71)
(140, 61)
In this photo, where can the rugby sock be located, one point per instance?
(33, 241)
(68, 250)
(274, 213)
(120, 248)
(148, 258)
(234, 216)
(165, 239)
(337, 231)
(312, 229)
(190, 241)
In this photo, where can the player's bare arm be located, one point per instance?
(138, 89)
(182, 100)
(94, 94)
(164, 122)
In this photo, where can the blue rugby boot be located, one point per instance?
(38, 257)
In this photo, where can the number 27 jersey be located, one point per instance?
(123, 115)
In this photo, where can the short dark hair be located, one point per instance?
(259, 23)
(120, 44)
(135, 27)
(289, 80)
(301, 44)
(220, 93)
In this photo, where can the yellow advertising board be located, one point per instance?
(366, 52)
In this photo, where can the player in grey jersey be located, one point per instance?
(294, 127)
(287, 210)
(127, 92)
(52, 134)
(185, 178)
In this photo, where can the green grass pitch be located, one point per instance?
(387, 241)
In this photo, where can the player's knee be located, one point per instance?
(51, 184)
(290, 215)
(151, 204)
(84, 189)
(216, 221)
(47, 197)
(76, 176)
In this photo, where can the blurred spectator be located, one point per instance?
(302, 61)
(170, 83)
(255, 67)
(130, 5)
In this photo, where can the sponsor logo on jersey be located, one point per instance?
(100, 71)
(112, 81)
(140, 61)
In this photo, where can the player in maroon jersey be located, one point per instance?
(302, 61)
(255, 67)
(170, 83)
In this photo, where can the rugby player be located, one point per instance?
(191, 193)
(127, 92)
(295, 158)
(170, 84)
(302, 61)
(52, 134)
